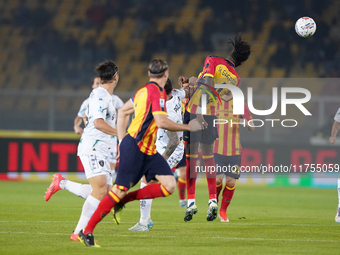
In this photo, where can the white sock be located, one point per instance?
(145, 208)
(190, 201)
(339, 192)
(80, 190)
(89, 207)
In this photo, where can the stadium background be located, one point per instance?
(48, 50)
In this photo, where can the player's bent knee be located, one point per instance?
(168, 182)
(230, 182)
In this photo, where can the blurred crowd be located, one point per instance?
(65, 59)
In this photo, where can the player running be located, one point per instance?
(94, 143)
(332, 139)
(168, 144)
(227, 149)
(216, 70)
(138, 155)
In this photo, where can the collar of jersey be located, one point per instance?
(230, 63)
(156, 85)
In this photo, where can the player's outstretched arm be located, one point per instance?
(123, 118)
(77, 122)
(335, 130)
(162, 121)
(103, 126)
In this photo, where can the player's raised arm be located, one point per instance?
(77, 122)
(123, 118)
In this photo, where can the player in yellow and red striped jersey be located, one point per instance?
(227, 148)
(216, 70)
(138, 155)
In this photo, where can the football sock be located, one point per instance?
(89, 207)
(339, 192)
(78, 189)
(104, 207)
(191, 174)
(181, 188)
(209, 163)
(145, 207)
(190, 201)
(218, 190)
(227, 195)
(149, 192)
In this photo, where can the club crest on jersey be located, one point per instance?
(161, 102)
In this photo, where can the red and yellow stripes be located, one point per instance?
(181, 180)
(121, 187)
(113, 196)
(164, 191)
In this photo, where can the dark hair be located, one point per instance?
(106, 71)
(94, 77)
(241, 50)
(168, 87)
(157, 67)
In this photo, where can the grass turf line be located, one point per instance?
(277, 221)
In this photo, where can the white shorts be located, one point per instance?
(113, 150)
(95, 165)
(174, 158)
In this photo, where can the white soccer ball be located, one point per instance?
(305, 27)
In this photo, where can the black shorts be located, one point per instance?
(228, 165)
(183, 161)
(133, 164)
(205, 136)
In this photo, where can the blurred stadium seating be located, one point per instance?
(53, 45)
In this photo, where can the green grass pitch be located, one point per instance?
(277, 221)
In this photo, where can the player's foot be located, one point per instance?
(191, 210)
(212, 211)
(223, 217)
(182, 203)
(150, 224)
(337, 216)
(117, 212)
(139, 227)
(88, 239)
(74, 237)
(54, 186)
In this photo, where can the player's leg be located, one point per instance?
(191, 176)
(219, 185)
(209, 163)
(145, 222)
(60, 183)
(182, 185)
(337, 216)
(99, 175)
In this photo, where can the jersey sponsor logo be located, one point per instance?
(101, 163)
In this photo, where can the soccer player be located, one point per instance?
(79, 118)
(227, 148)
(95, 140)
(138, 155)
(117, 103)
(332, 139)
(169, 145)
(216, 70)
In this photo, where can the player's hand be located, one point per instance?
(202, 121)
(195, 125)
(118, 154)
(332, 140)
(78, 130)
(182, 80)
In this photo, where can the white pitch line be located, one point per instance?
(189, 237)
(195, 223)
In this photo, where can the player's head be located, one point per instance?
(95, 82)
(168, 87)
(241, 50)
(108, 72)
(159, 69)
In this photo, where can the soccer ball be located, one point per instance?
(305, 27)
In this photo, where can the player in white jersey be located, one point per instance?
(93, 147)
(332, 139)
(169, 144)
